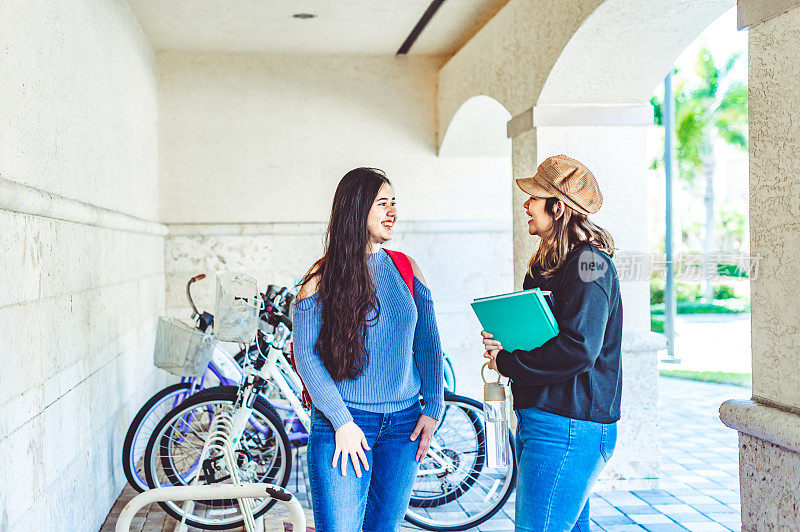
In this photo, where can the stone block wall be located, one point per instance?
(76, 333)
(81, 262)
(460, 260)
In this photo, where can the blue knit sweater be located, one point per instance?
(405, 354)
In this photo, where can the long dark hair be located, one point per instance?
(571, 229)
(345, 288)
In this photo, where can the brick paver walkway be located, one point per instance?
(699, 482)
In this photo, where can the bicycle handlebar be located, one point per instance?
(189, 291)
(279, 317)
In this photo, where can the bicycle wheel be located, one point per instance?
(454, 489)
(173, 453)
(142, 427)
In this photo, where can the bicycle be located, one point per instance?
(223, 368)
(454, 488)
(454, 468)
(177, 452)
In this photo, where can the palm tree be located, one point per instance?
(707, 107)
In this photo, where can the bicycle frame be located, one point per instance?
(277, 370)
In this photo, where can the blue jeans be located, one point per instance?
(559, 459)
(378, 500)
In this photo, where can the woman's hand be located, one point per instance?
(426, 426)
(489, 343)
(351, 442)
(492, 348)
(492, 356)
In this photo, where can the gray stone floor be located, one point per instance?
(699, 488)
(699, 464)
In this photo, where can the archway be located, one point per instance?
(476, 140)
(594, 105)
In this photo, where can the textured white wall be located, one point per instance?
(77, 103)
(247, 138)
(624, 48)
(775, 206)
(77, 302)
(252, 148)
(769, 462)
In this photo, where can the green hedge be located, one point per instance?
(725, 306)
(721, 377)
(657, 325)
(731, 270)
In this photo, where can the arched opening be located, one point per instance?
(624, 49)
(478, 129)
(476, 142)
(595, 106)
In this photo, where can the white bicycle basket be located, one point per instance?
(181, 349)
(236, 307)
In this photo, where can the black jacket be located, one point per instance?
(577, 374)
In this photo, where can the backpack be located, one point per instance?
(403, 265)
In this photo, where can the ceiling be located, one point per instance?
(365, 27)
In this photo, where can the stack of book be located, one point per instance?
(520, 320)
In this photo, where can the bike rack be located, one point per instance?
(208, 492)
(218, 441)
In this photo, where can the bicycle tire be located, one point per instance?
(449, 375)
(480, 460)
(140, 420)
(470, 410)
(217, 395)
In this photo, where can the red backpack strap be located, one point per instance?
(403, 264)
(304, 394)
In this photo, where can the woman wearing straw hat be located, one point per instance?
(566, 392)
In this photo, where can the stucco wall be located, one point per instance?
(775, 206)
(249, 138)
(252, 148)
(769, 463)
(768, 475)
(511, 57)
(77, 301)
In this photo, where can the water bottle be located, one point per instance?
(495, 415)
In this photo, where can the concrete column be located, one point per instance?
(611, 141)
(524, 161)
(769, 441)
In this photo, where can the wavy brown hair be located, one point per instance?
(569, 230)
(345, 287)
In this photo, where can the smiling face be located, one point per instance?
(539, 221)
(382, 216)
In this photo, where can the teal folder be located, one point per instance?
(520, 320)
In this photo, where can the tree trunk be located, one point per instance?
(709, 260)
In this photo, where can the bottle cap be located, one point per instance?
(492, 391)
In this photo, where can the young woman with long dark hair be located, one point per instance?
(366, 348)
(567, 392)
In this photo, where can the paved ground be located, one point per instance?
(699, 462)
(699, 484)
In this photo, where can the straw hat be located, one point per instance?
(565, 178)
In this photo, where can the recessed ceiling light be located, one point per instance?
(304, 15)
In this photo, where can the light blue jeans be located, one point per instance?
(559, 459)
(378, 500)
